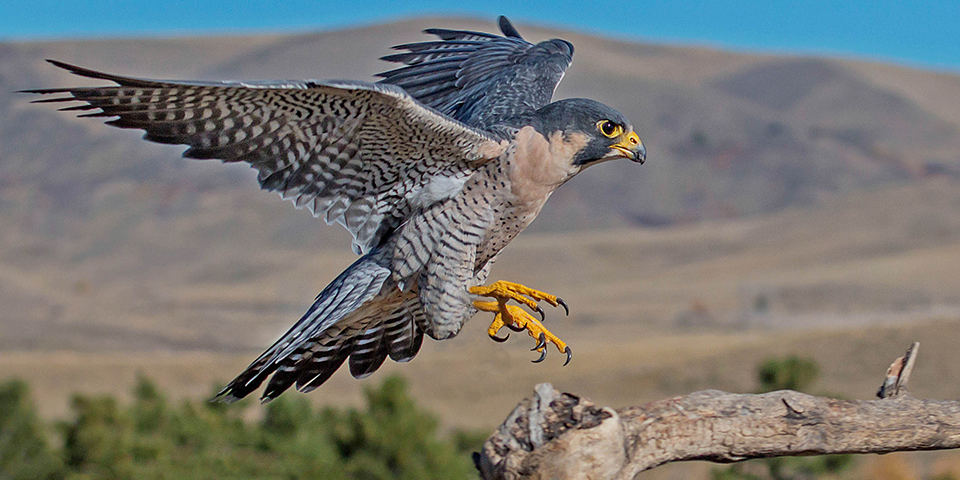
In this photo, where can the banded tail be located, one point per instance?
(361, 315)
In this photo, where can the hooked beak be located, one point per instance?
(631, 147)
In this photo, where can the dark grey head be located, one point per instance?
(608, 134)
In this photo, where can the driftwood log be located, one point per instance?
(563, 436)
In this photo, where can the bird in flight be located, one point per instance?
(433, 170)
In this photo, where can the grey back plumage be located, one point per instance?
(478, 78)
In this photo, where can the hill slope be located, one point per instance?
(729, 134)
(814, 177)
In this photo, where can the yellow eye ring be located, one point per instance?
(609, 129)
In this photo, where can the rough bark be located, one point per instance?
(563, 436)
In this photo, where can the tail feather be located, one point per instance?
(245, 383)
(281, 380)
(301, 367)
(314, 375)
(361, 316)
(390, 333)
(357, 285)
(405, 338)
(368, 351)
(404, 352)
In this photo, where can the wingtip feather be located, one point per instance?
(77, 70)
(86, 72)
(507, 28)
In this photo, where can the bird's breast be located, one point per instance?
(517, 185)
(539, 164)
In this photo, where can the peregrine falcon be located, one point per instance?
(433, 170)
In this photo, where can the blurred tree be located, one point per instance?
(395, 439)
(790, 373)
(97, 441)
(392, 438)
(149, 406)
(24, 452)
(733, 472)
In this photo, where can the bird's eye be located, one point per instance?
(609, 129)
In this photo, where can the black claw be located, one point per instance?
(513, 327)
(541, 342)
(543, 355)
(543, 315)
(569, 355)
(499, 339)
(564, 305)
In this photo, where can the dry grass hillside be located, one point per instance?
(644, 300)
(729, 134)
(789, 205)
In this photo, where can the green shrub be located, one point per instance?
(391, 438)
(24, 450)
(790, 373)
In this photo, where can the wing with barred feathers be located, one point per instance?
(480, 78)
(359, 154)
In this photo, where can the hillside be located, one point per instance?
(797, 205)
(729, 135)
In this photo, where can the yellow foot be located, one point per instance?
(516, 318)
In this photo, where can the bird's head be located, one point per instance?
(606, 134)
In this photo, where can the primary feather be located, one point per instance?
(478, 78)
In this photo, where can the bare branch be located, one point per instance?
(899, 373)
(562, 436)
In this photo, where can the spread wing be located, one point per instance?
(479, 78)
(355, 152)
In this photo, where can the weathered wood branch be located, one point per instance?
(563, 436)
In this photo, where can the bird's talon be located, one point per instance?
(541, 342)
(543, 355)
(499, 339)
(518, 319)
(569, 355)
(515, 328)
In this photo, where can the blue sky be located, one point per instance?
(919, 33)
